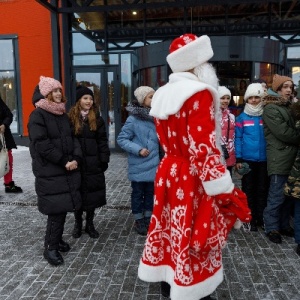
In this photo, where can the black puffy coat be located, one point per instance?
(95, 152)
(6, 118)
(52, 145)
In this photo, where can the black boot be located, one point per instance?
(53, 239)
(12, 188)
(165, 289)
(63, 246)
(53, 257)
(78, 224)
(89, 226)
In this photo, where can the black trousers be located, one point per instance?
(54, 230)
(255, 185)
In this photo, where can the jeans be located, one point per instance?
(278, 211)
(142, 199)
(297, 220)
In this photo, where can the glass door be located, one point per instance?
(104, 82)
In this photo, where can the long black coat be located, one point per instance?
(6, 118)
(95, 151)
(52, 145)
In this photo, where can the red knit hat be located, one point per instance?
(188, 51)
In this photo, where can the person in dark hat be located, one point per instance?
(89, 128)
(195, 201)
(55, 157)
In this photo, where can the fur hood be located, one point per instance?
(277, 100)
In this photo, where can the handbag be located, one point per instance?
(4, 163)
(224, 148)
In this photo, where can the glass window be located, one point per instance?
(8, 89)
(264, 71)
(6, 55)
(97, 59)
(126, 88)
(154, 77)
(293, 52)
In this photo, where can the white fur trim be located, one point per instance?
(194, 292)
(238, 224)
(224, 91)
(169, 98)
(191, 55)
(219, 186)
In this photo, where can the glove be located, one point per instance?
(234, 206)
(104, 166)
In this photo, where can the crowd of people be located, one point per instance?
(184, 146)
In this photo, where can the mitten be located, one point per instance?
(104, 166)
(234, 206)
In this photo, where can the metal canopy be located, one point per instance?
(112, 25)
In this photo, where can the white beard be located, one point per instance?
(206, 73)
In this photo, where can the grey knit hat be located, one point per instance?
(141, 92)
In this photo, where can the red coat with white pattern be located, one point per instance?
(189, 225)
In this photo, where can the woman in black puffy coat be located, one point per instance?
(55, 156)
(89, 128)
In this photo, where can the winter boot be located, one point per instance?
(53, 257)
(12, 188)
(63, 246)
(89, 226)
(165, 289)
(140, 227)
(78, 224)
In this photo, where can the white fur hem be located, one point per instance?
(178, 292)
(219, 186)
(237, 224)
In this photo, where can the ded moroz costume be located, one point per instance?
(195, 202)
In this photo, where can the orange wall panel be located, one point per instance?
(31, 22)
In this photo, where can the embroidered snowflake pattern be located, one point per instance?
(174, 133)
(196, 105)
(197, 246)
(168, 183)
(173, 170)
(205, 225)
(184, 177)
(180, 194)
(193, 169)
(196, 267)
(185, 140)
(199, 128)
(183, 114)
(212, 112)
(160, 182)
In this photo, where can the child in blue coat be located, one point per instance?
(138, 138)
(250, 148)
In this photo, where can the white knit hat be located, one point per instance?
(223, 90)
(254, 89)
(188, 51)
(141, 92)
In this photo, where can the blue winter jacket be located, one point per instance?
(136, 134)
(250, 142)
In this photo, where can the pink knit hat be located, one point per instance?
(47, 85)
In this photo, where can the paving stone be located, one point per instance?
(106, 268)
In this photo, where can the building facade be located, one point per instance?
(112, 50)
